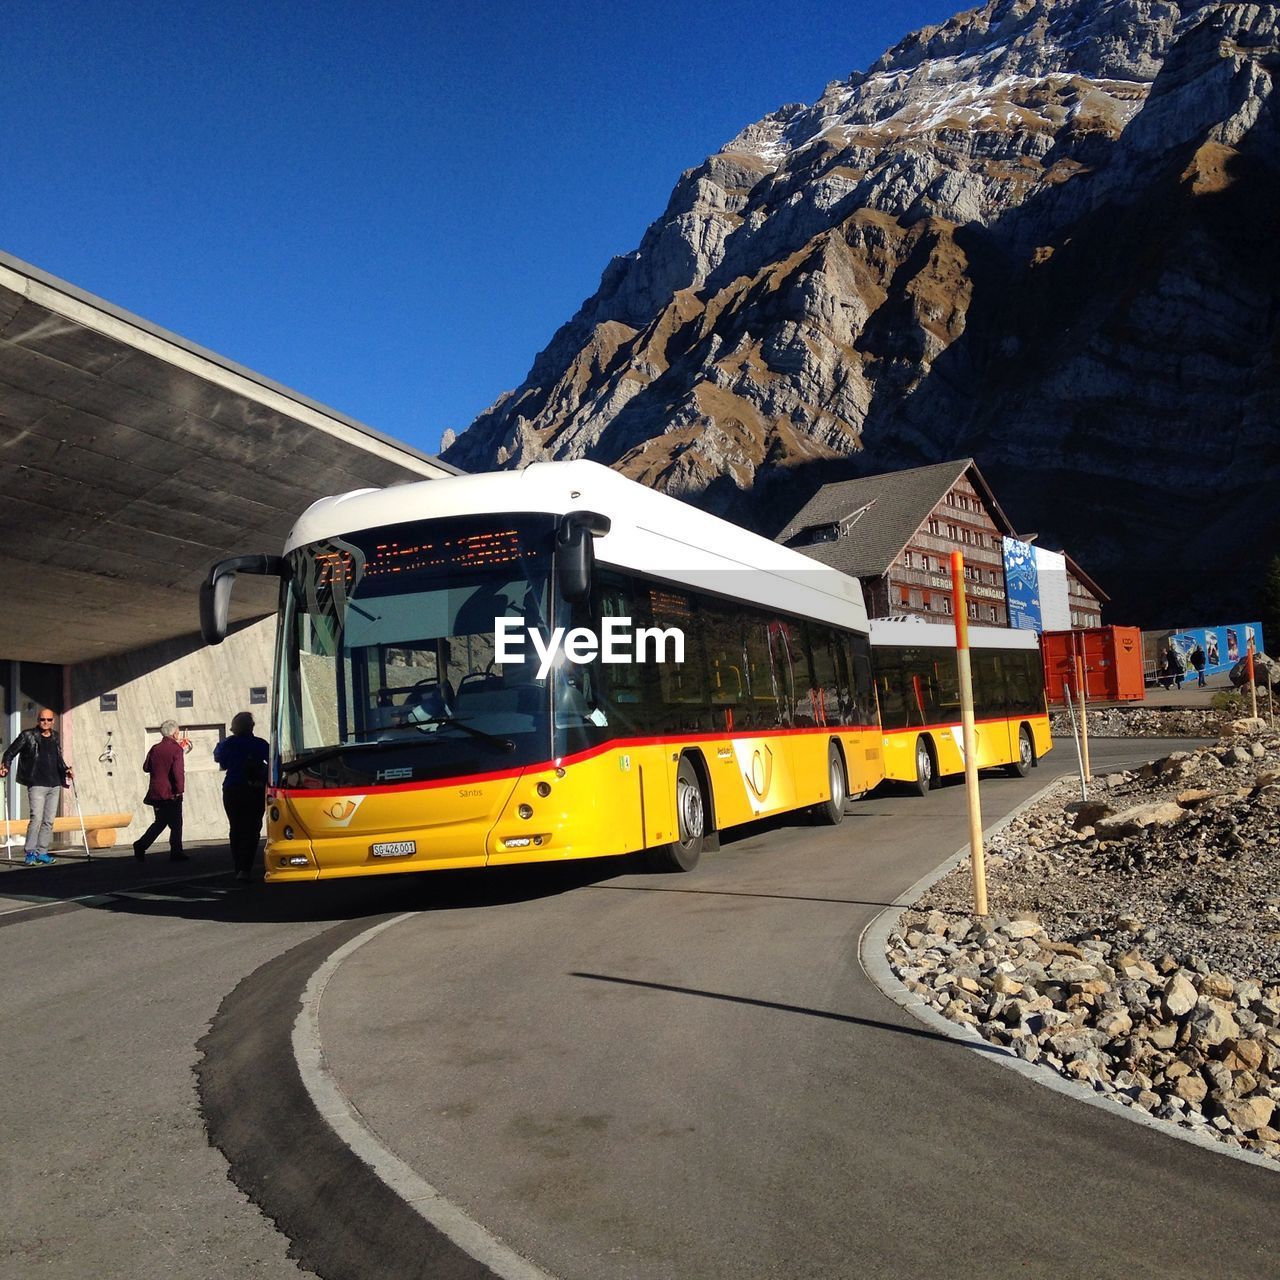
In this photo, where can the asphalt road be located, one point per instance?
(618, 1075)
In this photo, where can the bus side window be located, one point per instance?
(722, 635)
(893, 710)
(864, 705)
(824, 695)
(683, 686)
(988, 685)
(621, 684)
(845, 682)
(947, 679)
(782, 658)
(763, 705)
(919, 693)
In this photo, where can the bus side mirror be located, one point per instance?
(215, 590)
(575, 558)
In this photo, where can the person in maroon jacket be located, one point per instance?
(164, 763)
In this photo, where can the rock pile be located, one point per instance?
(1138, 946)
(1145, 722)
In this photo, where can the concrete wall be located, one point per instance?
(145, 684)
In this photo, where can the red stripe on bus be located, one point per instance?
(955, 724)
(615, 744)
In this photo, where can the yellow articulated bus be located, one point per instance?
(550, 664)
(918, 691)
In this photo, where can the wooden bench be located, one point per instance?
(99, 828)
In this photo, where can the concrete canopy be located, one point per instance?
(131, 459)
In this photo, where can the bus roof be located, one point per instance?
(942, 635)
(651, 533)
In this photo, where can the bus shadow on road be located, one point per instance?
(220, 898)
(229, 901)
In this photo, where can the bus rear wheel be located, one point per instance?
(1026, 754)
(830, 812)
(682, 853)
(926, 773)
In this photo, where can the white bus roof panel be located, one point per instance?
(942, 635)
(650, 533)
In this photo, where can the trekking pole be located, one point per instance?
(84, 839)
(4, 807)
(1075, 737)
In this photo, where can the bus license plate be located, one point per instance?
(394, 849)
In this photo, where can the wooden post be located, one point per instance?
(1075, 737)
(977, 862)
(1253, 688)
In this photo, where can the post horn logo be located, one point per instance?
(341, 811)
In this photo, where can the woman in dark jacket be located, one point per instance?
(245, 758)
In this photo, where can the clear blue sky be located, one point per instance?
(389, 207)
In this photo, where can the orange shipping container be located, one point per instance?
(1112, 663)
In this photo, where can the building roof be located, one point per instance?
(134, 459)
(1085, 581)
(878, 515)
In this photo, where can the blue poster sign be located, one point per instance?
(1022, 582)
(1223, 646)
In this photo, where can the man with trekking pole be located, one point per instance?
(44, 773)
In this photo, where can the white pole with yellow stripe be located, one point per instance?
(977, 863)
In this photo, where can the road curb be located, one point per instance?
(343, 1117)
(342, 1220)
(871, 957)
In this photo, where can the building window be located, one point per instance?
(991, 577)
(925, 564)
(927, 603)
(915, 600)
(909, 560)
(933, 527)
(946, 604)
(952, 532)
(991, 613)
(906, 596)
(973, 610)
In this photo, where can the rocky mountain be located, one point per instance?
(1044, 233)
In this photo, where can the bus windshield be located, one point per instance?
(387, 668)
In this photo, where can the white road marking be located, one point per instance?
(343, 1118)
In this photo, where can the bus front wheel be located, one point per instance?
(832, 811)
(1026, 754)
(682, 853)
(926, 773)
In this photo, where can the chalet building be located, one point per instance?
(1084, 597)
(896, 532)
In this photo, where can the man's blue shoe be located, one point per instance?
(45, 859)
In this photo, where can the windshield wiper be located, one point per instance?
(504, 744)
(298, 763)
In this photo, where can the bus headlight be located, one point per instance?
(525, 811)
(544, 789)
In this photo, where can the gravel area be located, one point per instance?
(1134, 940)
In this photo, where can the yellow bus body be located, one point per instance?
(615, 800)
(997, 745)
